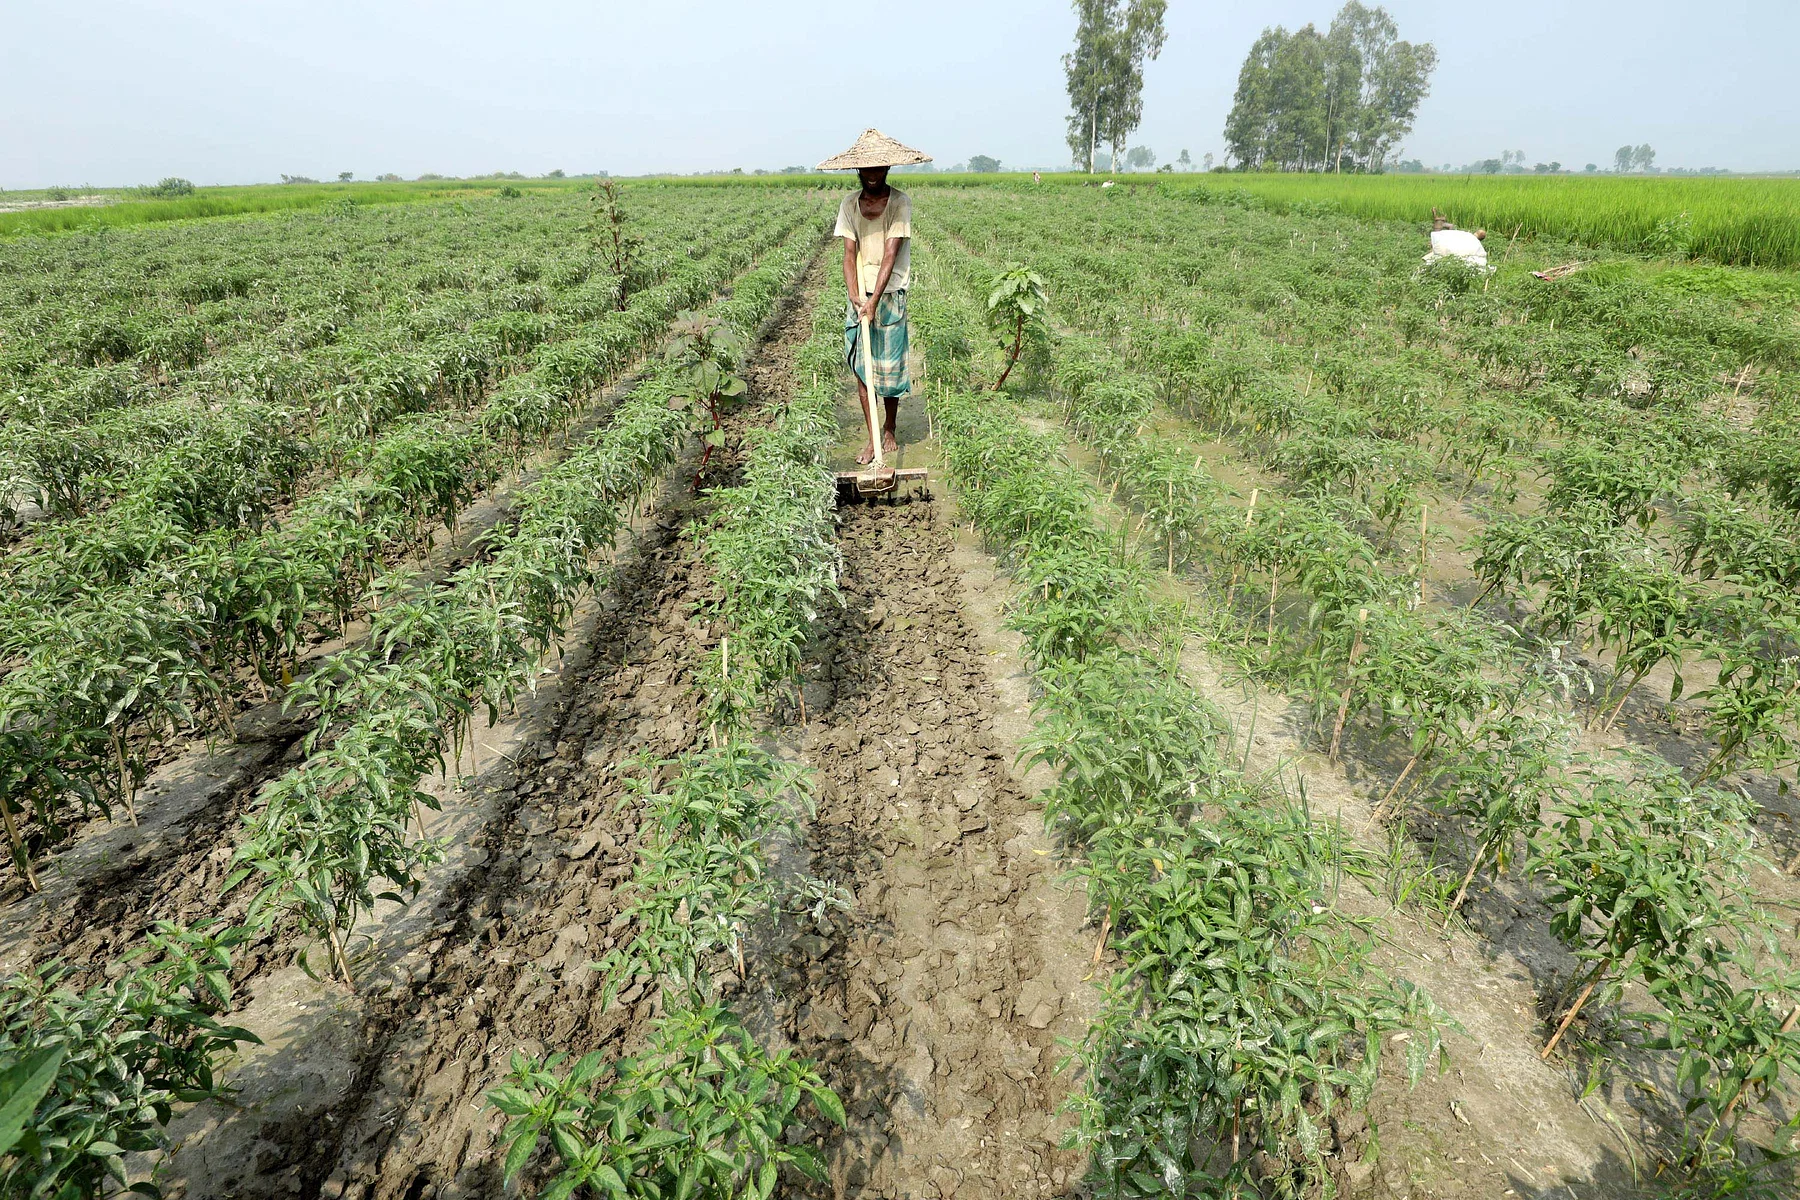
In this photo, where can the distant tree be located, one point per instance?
(346, 176)
(1644, 158)
(298, 179)
(1623, 157)
(1490, 166)
(793, 170)
(1140, 158)
(1307, 101)
(981, 164)
(390, 177)
(168, 189)
(1105, 71)
(1384, 80)
(556, 174)
(1591, 168)
(1183, 162)
(1206, 163)
(429, 176)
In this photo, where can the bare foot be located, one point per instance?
(888, 444)
(867, 455)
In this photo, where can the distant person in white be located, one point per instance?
(1450, 242)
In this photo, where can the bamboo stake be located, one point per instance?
(18, 845)
(1404, 772)
(1356, 645)
(1468, 876)
(1569, 1017)
(1171, 526)
(1105, 929)
(1274, 590)
(1424, 553)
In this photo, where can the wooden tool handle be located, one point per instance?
(874, 397)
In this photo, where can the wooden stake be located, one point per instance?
(1424, 554)
(1480, 857)
(127, 789)
(1404, 772)
(18, 845)
(1356, 645)
(1171, 526)
(1569, 1017)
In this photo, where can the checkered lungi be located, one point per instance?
(887, 345)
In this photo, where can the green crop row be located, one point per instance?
(107, 679)
(1245, 1009)
(331, 831)
(705, 1109)
(1691, 938)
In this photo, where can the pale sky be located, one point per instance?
(127, 91)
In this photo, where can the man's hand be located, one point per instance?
(867, 308)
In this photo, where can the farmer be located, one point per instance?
(1447, 241)
(876, 225)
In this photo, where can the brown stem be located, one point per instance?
(1018, 339)
(1620, 707)
(1476, 602)
(337, 956)
(1105, 929)
(127, 788)
(1404, 772)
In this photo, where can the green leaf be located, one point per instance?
(21, 1087)
(829, 1105)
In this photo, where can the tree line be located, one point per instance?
(1333, 101)
(1305, 101)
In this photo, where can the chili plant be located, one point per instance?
(1015, 308)
(1643, 872)
(126, 1052)
(703, 1111)
(705, 352)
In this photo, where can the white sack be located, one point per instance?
(1458, 243)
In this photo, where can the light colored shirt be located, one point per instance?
(1457, 243)
(871, 238)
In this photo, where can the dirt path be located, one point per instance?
(935, 1004)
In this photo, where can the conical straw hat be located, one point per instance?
(874, 149)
